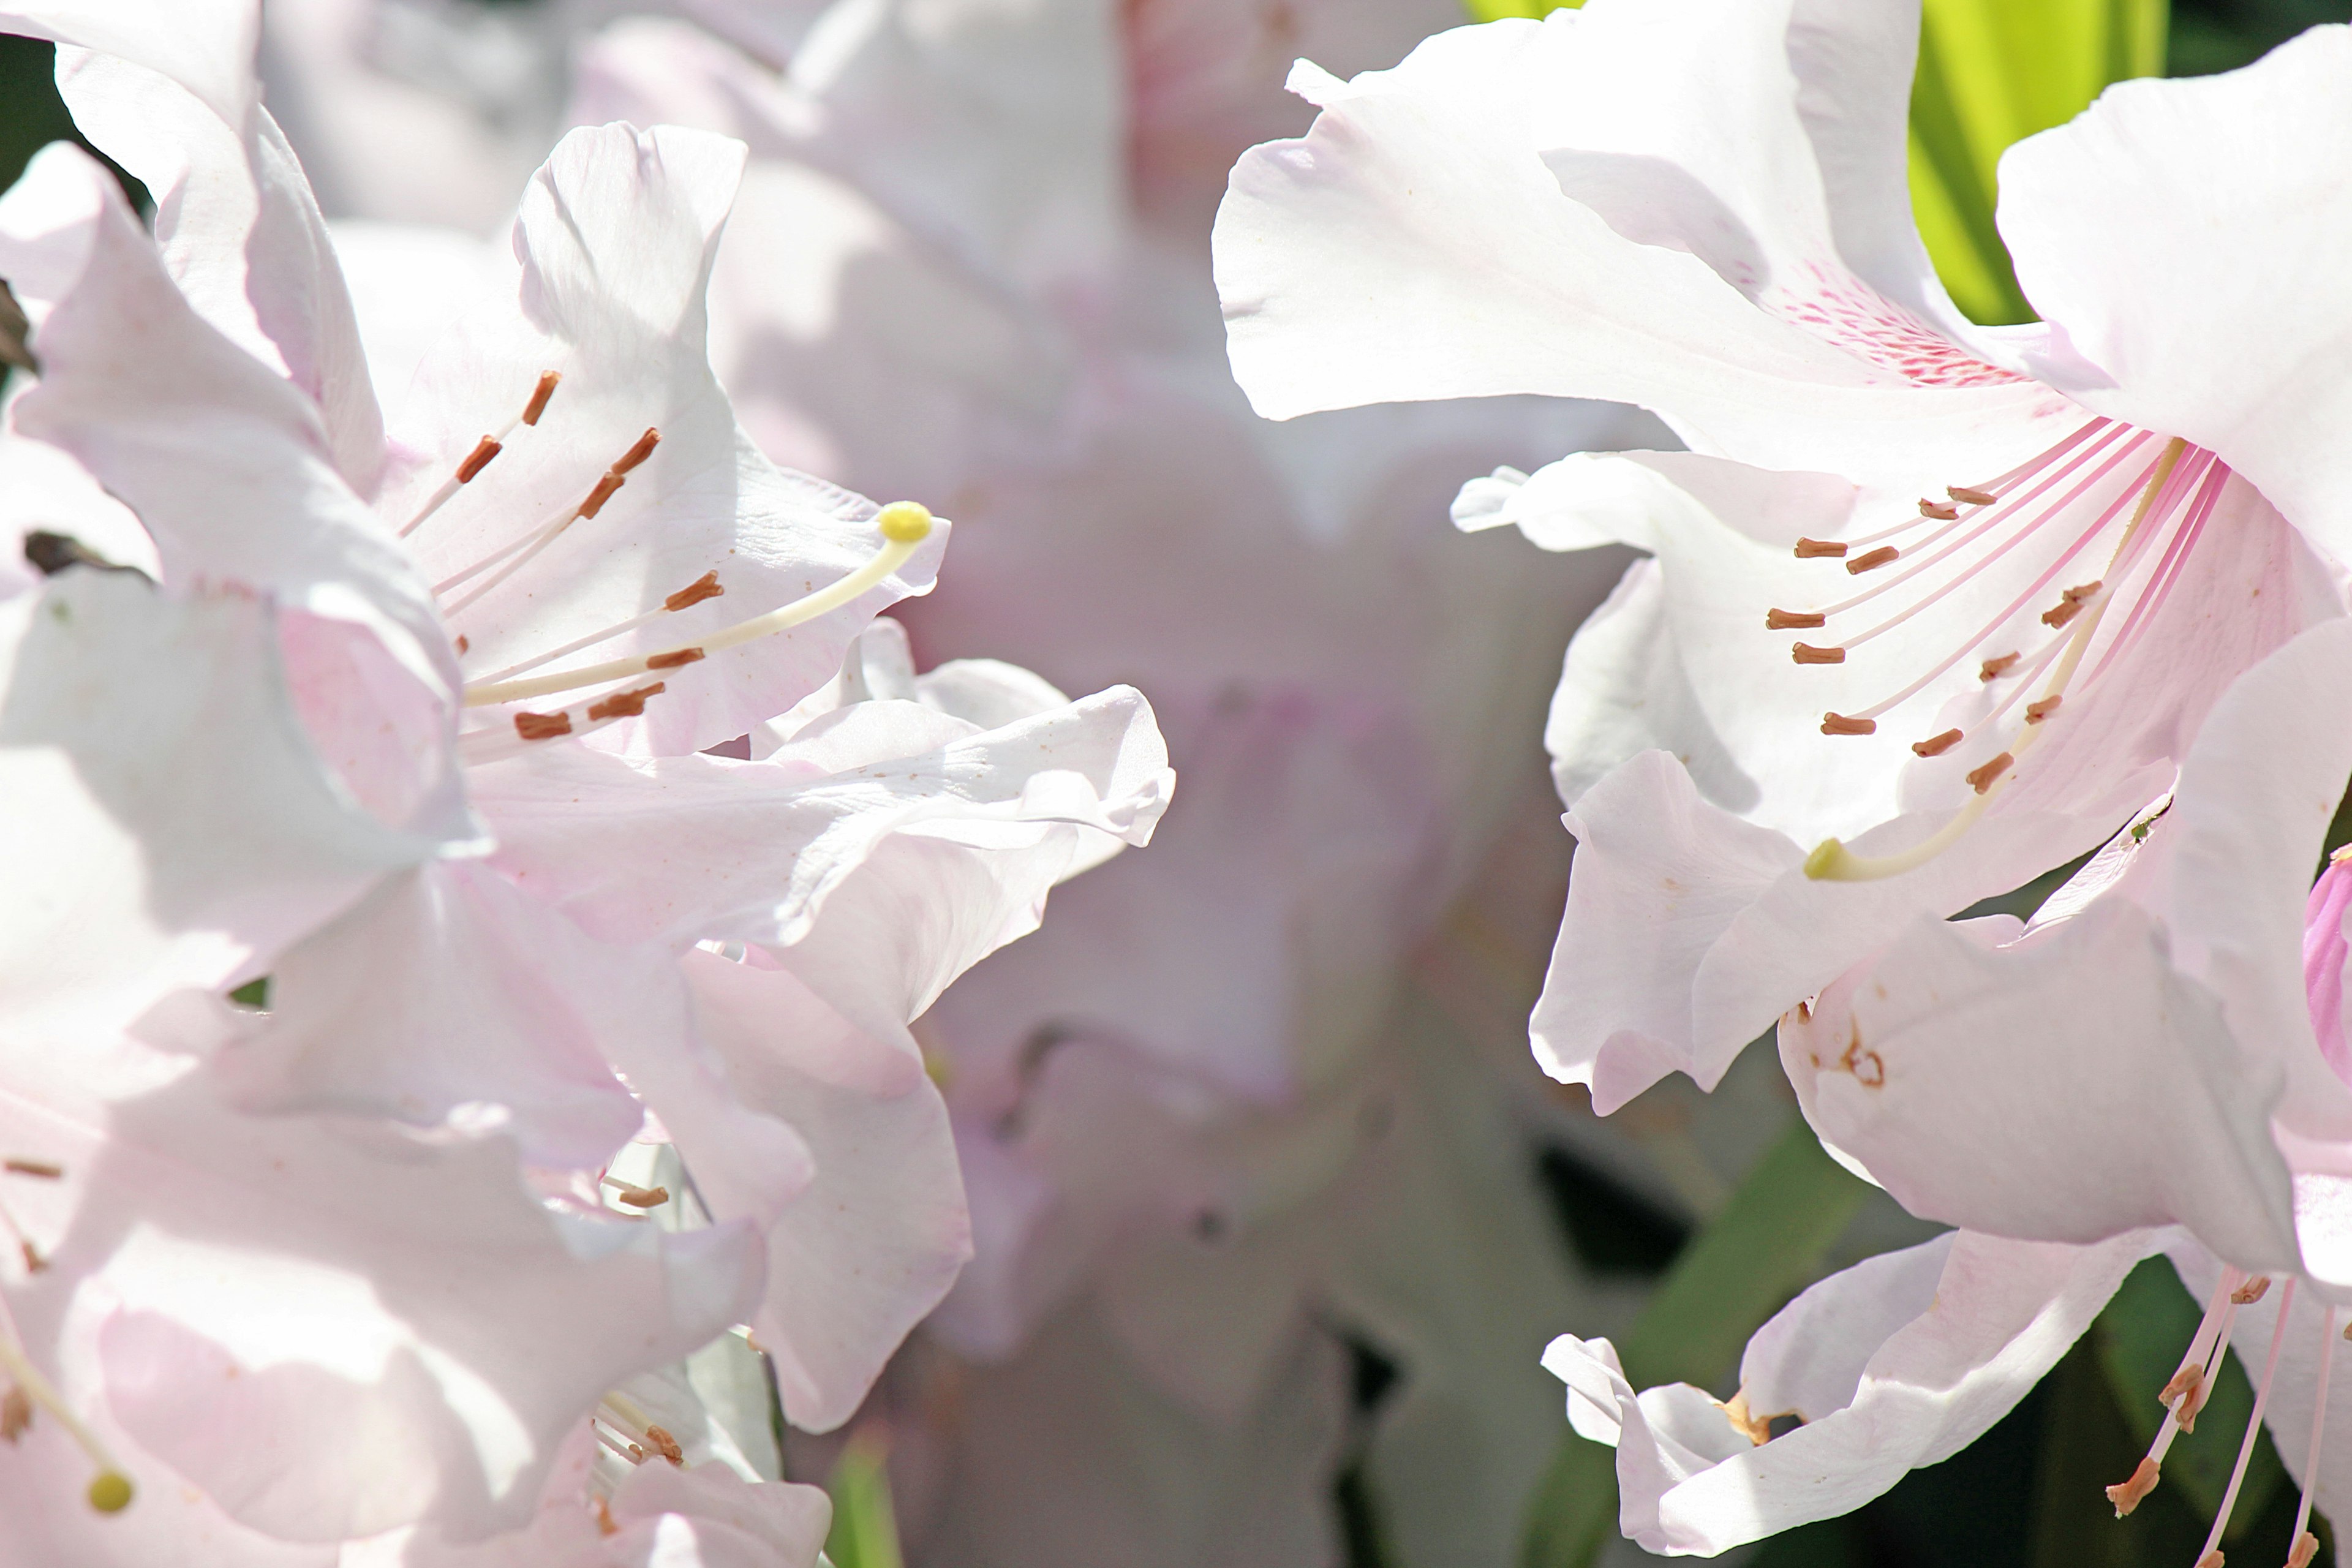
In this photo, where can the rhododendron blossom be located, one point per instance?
(517, 919)
(1932, 607)
(2153, 1062)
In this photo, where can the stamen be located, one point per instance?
(1814, 548)
(2183, 1393)
(2305, 1543)
(1994, 668)
(666, 1446)
(1936, 746)
(2037, 711)
(672, 660)
(904, 525)
(2106, 430)
(2129, 1494)
(624, 704)
(110, 1490)
(2212, 1553)
(1968, 496)
(1942, 511)
(40, 1168)
(606, 488)
(1839, 724)
(703, 587)
(16, 1414)
(2253, 1290)
(1830, 859)
(638, 1197)
(1873, 560)
(1806, 653)
(489, 447)
(1792, 620)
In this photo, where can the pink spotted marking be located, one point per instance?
(1843, 309)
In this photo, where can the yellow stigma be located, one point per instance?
(904, 523)
(1822, 863)
(110, 1492)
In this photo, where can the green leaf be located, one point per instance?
(1764, 1244)
(865, 1524)
(1496, 10)
(1992, 72)
(2142, 1334)
(253, 994)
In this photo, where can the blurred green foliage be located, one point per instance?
(864, 1523)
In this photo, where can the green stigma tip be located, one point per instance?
(904, 523)
(111, 1493)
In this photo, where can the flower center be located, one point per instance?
(2039, 524)
(904, 525)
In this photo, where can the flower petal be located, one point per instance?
(2187, 238)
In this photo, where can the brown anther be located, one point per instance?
(477, 459)
(1808, 549)
(542, 726)
(2210, 1560)
(703, 587)
(34, 1262)
(1994, 668)
(1756, 1429)
(606, 488)
(605, 1524)
(1936, 746)
(2306, 1546)
(539, 397)
(1982, 777)
(1793, 620)
(16, 1414)
(1839, 724)
(2059, 614)
(1968, 496)
(2037, 711)
(2133, 1492)
(40, 1168)
(2252, 1292)
(463, 642)
(1941, 510)
(672, 660)
(641, 1197)
(624, 704)
(2190, 1380)
(2081, 591)
(1876, 558)
(638, 453)
(665, 1445)
(1806, 653)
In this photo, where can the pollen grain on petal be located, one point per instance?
(542, 726)
(624, 704)
(2129, 1495)
(1806, 653)
(1839, 724)
(1793, 620)
(1873, 560)
(1813, 549)
(703, 587)
(16, 1414)
(1936, 746)
(41, 1168)
(1982, 778)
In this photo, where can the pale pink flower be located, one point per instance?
(2151, 1063)
(533, 1005)
(2058, 542)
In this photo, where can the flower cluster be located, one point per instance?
(473, 869)
(1926, 610)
